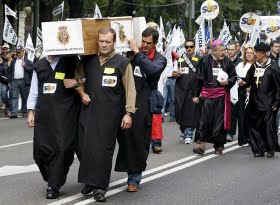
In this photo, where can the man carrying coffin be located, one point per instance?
(53, 111)
(264, 101)
(111, 90)
(215, 76)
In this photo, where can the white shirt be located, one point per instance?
(33, 94)
(19, 70)
(242, 70)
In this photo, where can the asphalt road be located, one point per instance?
(177, 176)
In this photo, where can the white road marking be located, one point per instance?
(12, 170)
(118, 182)
(16, 144)
(161, 174)
(4, 118)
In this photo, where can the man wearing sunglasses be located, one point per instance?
(186, 112)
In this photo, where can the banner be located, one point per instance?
(200, 38)
(9, 34)
(97, 14)
(247, 22)
(10, 12)
(59, 9)
(209, 9)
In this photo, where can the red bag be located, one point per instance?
(157, 127)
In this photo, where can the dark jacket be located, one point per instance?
(3, 73)
(28, 70)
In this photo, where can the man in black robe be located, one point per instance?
(111, 94)
(186, 112)
(215, 76)
(264, 101)
(134, 143)
(53, 111)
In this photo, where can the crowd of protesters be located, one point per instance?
(213, 95)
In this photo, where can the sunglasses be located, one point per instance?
(189, 47)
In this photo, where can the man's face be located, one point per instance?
(260, 56)
(106, 43)
(219, 52)
(20, 53)
(147, 44)
(275, 48)
(232, 50)
(189, 46)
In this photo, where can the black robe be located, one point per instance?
(186, 112)
(56, 117)
(134, 143)
(100, 121)
(263, 96)
(211, 123)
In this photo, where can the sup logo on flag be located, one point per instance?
(63, 36)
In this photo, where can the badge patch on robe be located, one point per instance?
(216, 71)
(59, 76)
(49, 88)
(259, 72)
(137, 72)
(109, 81)
(108, 70)
(184, 70)
(194, 58)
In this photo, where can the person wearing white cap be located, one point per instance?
(19, 76)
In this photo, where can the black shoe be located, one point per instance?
(52, 193)
(99, 195)
(270, 154)
(258, 154)
(13, 116)
(87, 189)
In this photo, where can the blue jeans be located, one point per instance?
(156, 143)
(278, 118)
(188, 133)
(168, 91)
(134, 178)
(18, 87)
(4, 95)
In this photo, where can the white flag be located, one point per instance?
(175, 38)
(97, 13)
(29, 44)
(58, 9)
(181, 48)
(200, 38)
(199, 20)
(161, 37)
(256, 33)
(168, 38)
(9, 34)
(10, 12)
(161, 27)
(30, 48)
(225, 35)
(39, 42)
(20, 42)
